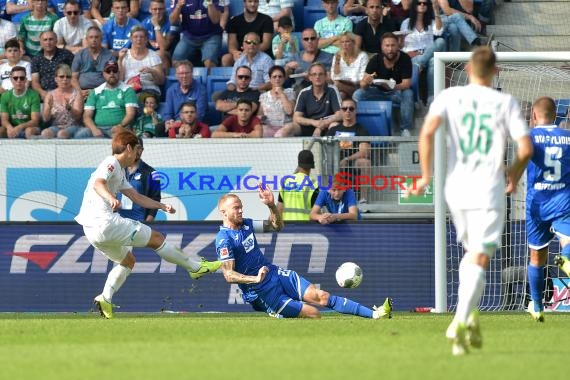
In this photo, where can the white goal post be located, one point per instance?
(540, 65)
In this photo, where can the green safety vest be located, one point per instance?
(297, 202)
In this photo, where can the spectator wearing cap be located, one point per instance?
(111, 106)
(298, 191)
(20, 108)
(285, 45)
(45, 63)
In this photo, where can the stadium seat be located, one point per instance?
(312, 14)
(298, 8)
(314, 3)
(214, 84)
(220, 71)
(200, 73)
(161, 108)
(376, 117)
(236, 7)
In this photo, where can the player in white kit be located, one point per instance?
(114, 235)
(479, 120)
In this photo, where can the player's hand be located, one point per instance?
(168, 208)
(418, 189)
(266, 195)
(261, 274)
(511, 183)
(115, 204)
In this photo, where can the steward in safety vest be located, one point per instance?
(298, 193)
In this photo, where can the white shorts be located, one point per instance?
(479, 230)
(116, 238)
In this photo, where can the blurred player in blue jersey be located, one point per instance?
(281, 293)
(547, 198)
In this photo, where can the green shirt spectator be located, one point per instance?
(33, 25)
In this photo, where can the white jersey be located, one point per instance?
(95, 210)
(479, 121)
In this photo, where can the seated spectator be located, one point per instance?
(399, 11)
(201, 33)
(57, 7)
(309, 55)
(348, 66)
(33, 25)
(369, 31)
(227, 100)
(395, 66)
(63, 107)
(188, 127)
(139, 66)
(277, 9)
(285, 45)
(149, 123)
(276, 105)
(187, 90)
(258, 61)
(243, 124)
(109, 107)
(337, 204)
(455, 20)
(7, 32)
(331, 27)
(117, 30)
(13, 54)
(318, 106)
(250, 21)
(420, 40)
(354, 10)
(45, 63)
(354, 155)
(160, 33)
(20, 108)
(88, 63)
(102, 10)
(72, 28)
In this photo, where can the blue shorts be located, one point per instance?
(541, 232)
(282, 294)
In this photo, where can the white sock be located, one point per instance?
(175, 255)
(115, 280)
(471, 285)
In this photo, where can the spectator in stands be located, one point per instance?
(309, 55)
(399, 10)
(227, 100)
(354, 155)
(117, 30)
(110, 107)
(395, 66)
(318, 106)
(200, 30)
(20, 108)
(32, 26)
(348, 66)
(285, 45)
(337, 204)
(45, 63)
(72, 28)
(277, 9)
(188, 126)
(102, 10)
(7, 32)
(250, 21)
(187, 90)
(160, 33)
(139, 66)
(18, 9)
(295, 202)
(13, 54)
(455, 18)
(63, 107)
(331, 27)
(355, 10)
(243, 124)
(258, 61)
(276, 105)
(421, 40)
(57, 7)
(370, 30)
(88, 64)
(149, 123)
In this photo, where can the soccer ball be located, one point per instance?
(348, 275)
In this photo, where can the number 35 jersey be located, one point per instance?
(479, 120)
(548, 173)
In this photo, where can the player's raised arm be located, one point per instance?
(515, 171)
(275, 222)
(101, 188)
(147, 202)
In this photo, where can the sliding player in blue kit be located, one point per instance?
(281, 293)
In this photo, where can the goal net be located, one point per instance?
(526, 76)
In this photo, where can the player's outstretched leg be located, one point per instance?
(473, 335)
(536, 284)
(175, 255)
(205, 267)
(384, 310)
(347, 306)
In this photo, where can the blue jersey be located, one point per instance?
(324, 199)
(116, 37)
(548, 173)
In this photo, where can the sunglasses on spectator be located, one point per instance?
(69, 13)
(112, 71)
(309, 38)
(19, 78)
(422, 3)
(243, 77)
(351, 109)
(64, 76)
(251, 42)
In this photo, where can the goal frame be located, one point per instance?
(440, 159)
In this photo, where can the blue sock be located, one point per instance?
(566, 251)
(347, 306)
(536, 283)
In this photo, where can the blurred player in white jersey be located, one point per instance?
(114, 235)
(479, 119)
(547, 198)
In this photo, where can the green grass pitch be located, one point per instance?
(253, 346)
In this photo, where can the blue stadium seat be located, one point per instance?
(236, 7)
(312, 14)
(562, 106)
(314, 3)
(298, 9)
(200, 73)
(215, 84)
(161, 108)
(376, 117)
(220, 71)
